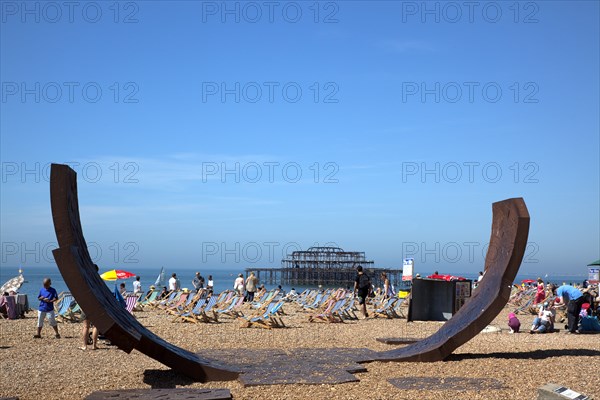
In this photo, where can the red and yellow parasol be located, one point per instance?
(115, 274)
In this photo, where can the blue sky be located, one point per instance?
(221, 138)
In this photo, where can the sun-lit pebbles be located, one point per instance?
(57, 369)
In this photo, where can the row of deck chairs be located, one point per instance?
(199, 306)
(68, 310)
(329, 305)
(389, 308)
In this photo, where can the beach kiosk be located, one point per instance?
(437, 299)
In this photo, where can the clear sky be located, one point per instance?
(212, 134)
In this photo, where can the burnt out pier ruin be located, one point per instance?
(325, 266)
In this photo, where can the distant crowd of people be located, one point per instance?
(581, 303)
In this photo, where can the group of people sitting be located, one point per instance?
(581, 304)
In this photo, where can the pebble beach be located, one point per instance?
(58, 369)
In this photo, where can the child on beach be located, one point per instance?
(47, 298)
(513, 323)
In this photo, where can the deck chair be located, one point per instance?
(266, 320)
(130, 302)
(187, 304)
(264, 301)
(177, 305)
(208, 308)
(385, 309)
(63, 307)
(232, 309)
(190, 316)
(149, 299)
(399, 308)
(327, 313)
(316, 302)
(166, 302)
(9, 307)
(347, 312)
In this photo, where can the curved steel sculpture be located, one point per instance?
(98, 302)
(510, 228)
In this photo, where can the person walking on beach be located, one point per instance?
(362, 287)
(173, 283)
(573, 298)
(137, 286)
(198, 281)
(251, 283)
(47, 298)
(238, 285)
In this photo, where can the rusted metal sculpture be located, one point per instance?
(510, 228)
(98, 302)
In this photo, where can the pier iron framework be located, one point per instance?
(325, 266)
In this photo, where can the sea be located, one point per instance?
(223, 278)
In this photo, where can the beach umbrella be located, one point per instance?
(528, 281)
(12, 285)
(115, 274)
(597, 262)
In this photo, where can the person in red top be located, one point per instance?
(540, 296)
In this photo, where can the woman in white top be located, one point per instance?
(238, 285)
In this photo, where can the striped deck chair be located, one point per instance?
(232, 309)
(130, 302)
(177, 305)
(331, 312)
(264, 301)
(267, 320)
(317, 301)
(190, 316)
(397, 310)
(168, 301)
(149, 299)
(9, 305)
(63, 307)
(386, 309)
(188, 303)
(347, 312)
(208, 308)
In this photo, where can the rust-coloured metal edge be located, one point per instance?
(510, 229)
(97, 301)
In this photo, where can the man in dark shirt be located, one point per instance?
(47, 298)
(362, 287)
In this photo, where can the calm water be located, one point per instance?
(223, 278)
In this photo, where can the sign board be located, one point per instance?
(408, 266)
(594, 275)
